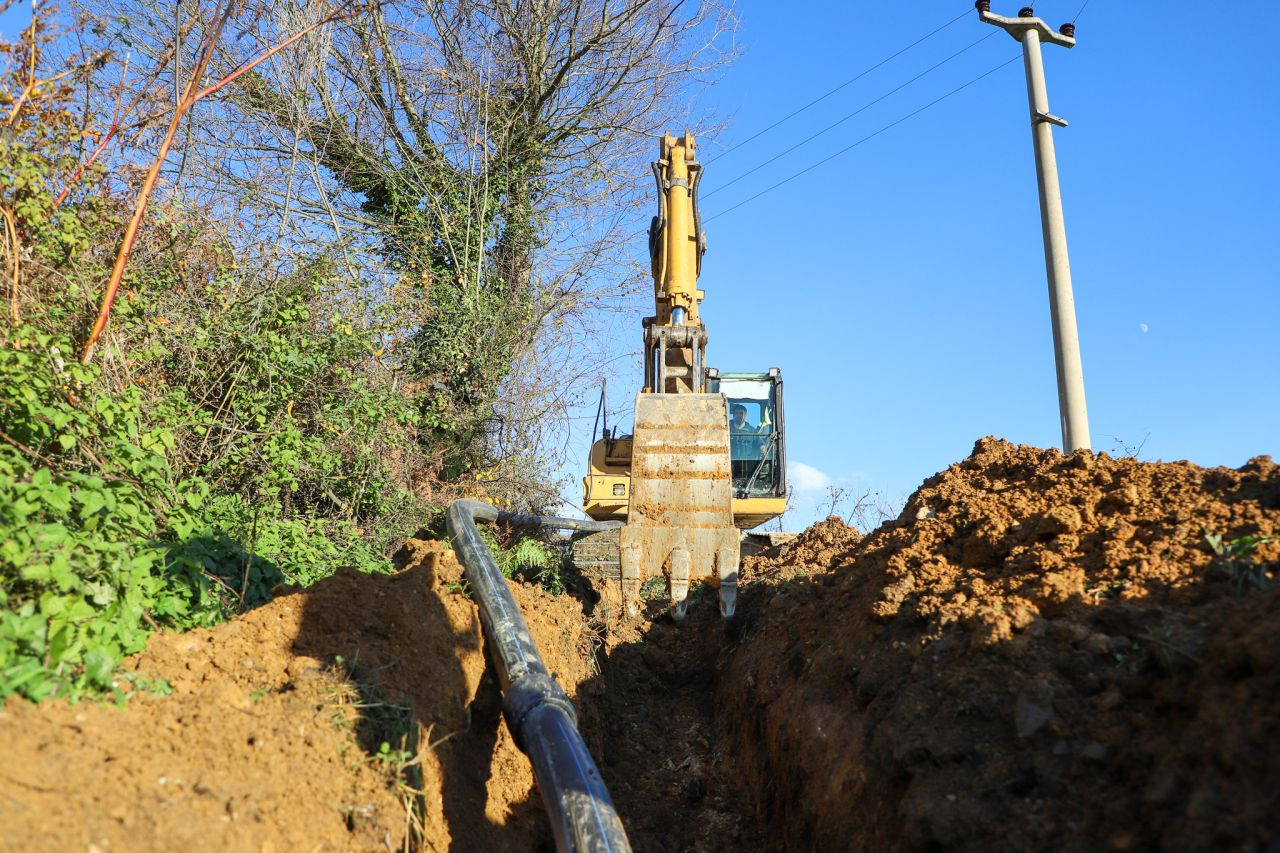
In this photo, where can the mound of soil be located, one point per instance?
(1042, 652)
(272, 738)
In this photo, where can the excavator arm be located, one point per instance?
(674, 338)
(680, 514)
(681, 483)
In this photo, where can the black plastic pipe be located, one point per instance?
(538, 712)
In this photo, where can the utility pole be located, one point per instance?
(1030, 31)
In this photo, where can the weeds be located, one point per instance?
(864, 512)
(145, 684)
(1122, 449)
(1109, 588)
(534, 561)
(701, 592)
(529, 559)
(461, 588)
(389, 734)
(654, 588)
(1236, 557)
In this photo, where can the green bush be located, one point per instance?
(86, 500)
(303, 549)
(534, 561)
(255, 416)
(101, 539)
(243, 433)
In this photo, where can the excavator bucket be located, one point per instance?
(680, 519)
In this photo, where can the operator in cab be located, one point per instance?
(738, 421)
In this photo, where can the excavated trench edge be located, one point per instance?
(538, 712)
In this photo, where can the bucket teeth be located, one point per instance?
(681, 564)
(629, 558)
(728, 600)
(680, 507)
(727, 572)
(679, 609)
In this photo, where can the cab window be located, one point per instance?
(753, 447)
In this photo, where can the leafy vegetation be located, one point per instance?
(104, 537)
(525, 558)
(1236, 557)
(237, 432)
(257, 341)
(534, 561)
(244, 426)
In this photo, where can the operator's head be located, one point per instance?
(739, 412)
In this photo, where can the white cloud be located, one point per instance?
(1142, 327)
(806, 478)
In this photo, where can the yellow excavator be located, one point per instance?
(706, 459)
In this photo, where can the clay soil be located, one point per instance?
(1041, 652)
(272, 737)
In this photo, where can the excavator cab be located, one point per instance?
(757, 458)
(757, 444)
(757, 451)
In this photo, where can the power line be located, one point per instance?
(1081, 12)
(848, 148)
(856, 112)
(848, 82)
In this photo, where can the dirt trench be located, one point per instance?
(653, 720)
(1042, 651)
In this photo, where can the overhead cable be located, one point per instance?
(866, 138)
(791, 148)
(846, 83)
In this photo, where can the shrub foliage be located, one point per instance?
(331, 321)
(243, 426)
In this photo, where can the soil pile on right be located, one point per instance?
(1041, 652)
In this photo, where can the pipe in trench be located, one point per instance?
(538, 712)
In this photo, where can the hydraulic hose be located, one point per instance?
(538, 712)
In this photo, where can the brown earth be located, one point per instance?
(1041, 652)
(270, 739)
(653, 722)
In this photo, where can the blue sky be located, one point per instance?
(14, 19)
(901, 286)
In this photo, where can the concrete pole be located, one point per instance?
(1072, 411)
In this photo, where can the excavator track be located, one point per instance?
(595, 555)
